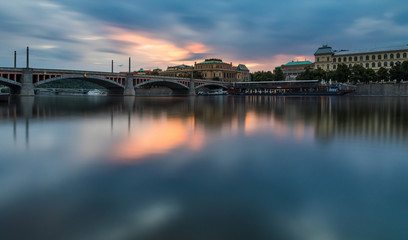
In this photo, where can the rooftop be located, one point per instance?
(325, 49)
(241, 67)
(293, 63)
(212, 60)
(371, 50)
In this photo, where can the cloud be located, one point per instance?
(244, 31)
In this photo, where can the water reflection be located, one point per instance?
(204, 168)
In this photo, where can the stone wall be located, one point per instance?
(385, 89)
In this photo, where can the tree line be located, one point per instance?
(277, 75)
(357, 74)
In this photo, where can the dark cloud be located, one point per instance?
(110, 50)
(249, 29)
(55, 53)
(243, 29)
(194, 56)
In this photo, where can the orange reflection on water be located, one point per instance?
(281, 128)
(159, 136)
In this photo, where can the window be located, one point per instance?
(327, 67)
(317, 60)
(385, 56)
(334, 66)
(361, 58)
(379, 57)
(367, 65)
(350, 65)
(372, 64)
(385, 64)
(334, 60)
(391, 56)
(350, 59)
(339, 59)
(328, 59)
(391, 64)
(367, 58)
(379, 64)
(404, 55)
(345, 59)
(398, 55)
(355, 59)
(373, 57)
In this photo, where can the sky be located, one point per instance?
(262, 34)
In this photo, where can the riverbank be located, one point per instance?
(382, 89)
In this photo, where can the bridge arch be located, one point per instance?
(13, 85)
(211, 86)
(172, 84)
(112, 86)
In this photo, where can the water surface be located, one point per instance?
(217, 167)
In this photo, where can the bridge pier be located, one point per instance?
(191, 89)
(129, 87)
(27, 88)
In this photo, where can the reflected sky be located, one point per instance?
(204, 168)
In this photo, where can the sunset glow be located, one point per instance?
(159, 136)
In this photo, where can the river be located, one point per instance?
(204, 167)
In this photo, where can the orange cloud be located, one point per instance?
(156, 50)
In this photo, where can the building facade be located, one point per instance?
(216, 69)
(329, 59)
(212, 69)
(293, 69)
(178, 71)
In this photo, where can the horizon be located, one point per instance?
(88, 35)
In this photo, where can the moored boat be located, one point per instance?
(96, 92)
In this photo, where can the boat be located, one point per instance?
(96, 92)
(305, 88)
(213, 92)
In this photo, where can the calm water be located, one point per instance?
(223, 167)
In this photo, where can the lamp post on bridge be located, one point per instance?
(28, 57)
(15, 59)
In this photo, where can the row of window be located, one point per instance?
(367, 65)
(373, 57)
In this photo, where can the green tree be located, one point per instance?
(404, 71)
(307, 74)
(319, 74)
(370, 75)
(330, 75)
(342, 73)
(263, 76)
(279, 74)
(383, 74)
(395, 72)
(358, 74)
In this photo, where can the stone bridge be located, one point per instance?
(23, 81)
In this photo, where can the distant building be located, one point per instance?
(211, 69)
(293, 69)
(178, 71)
(216, 69)
(375, 58)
